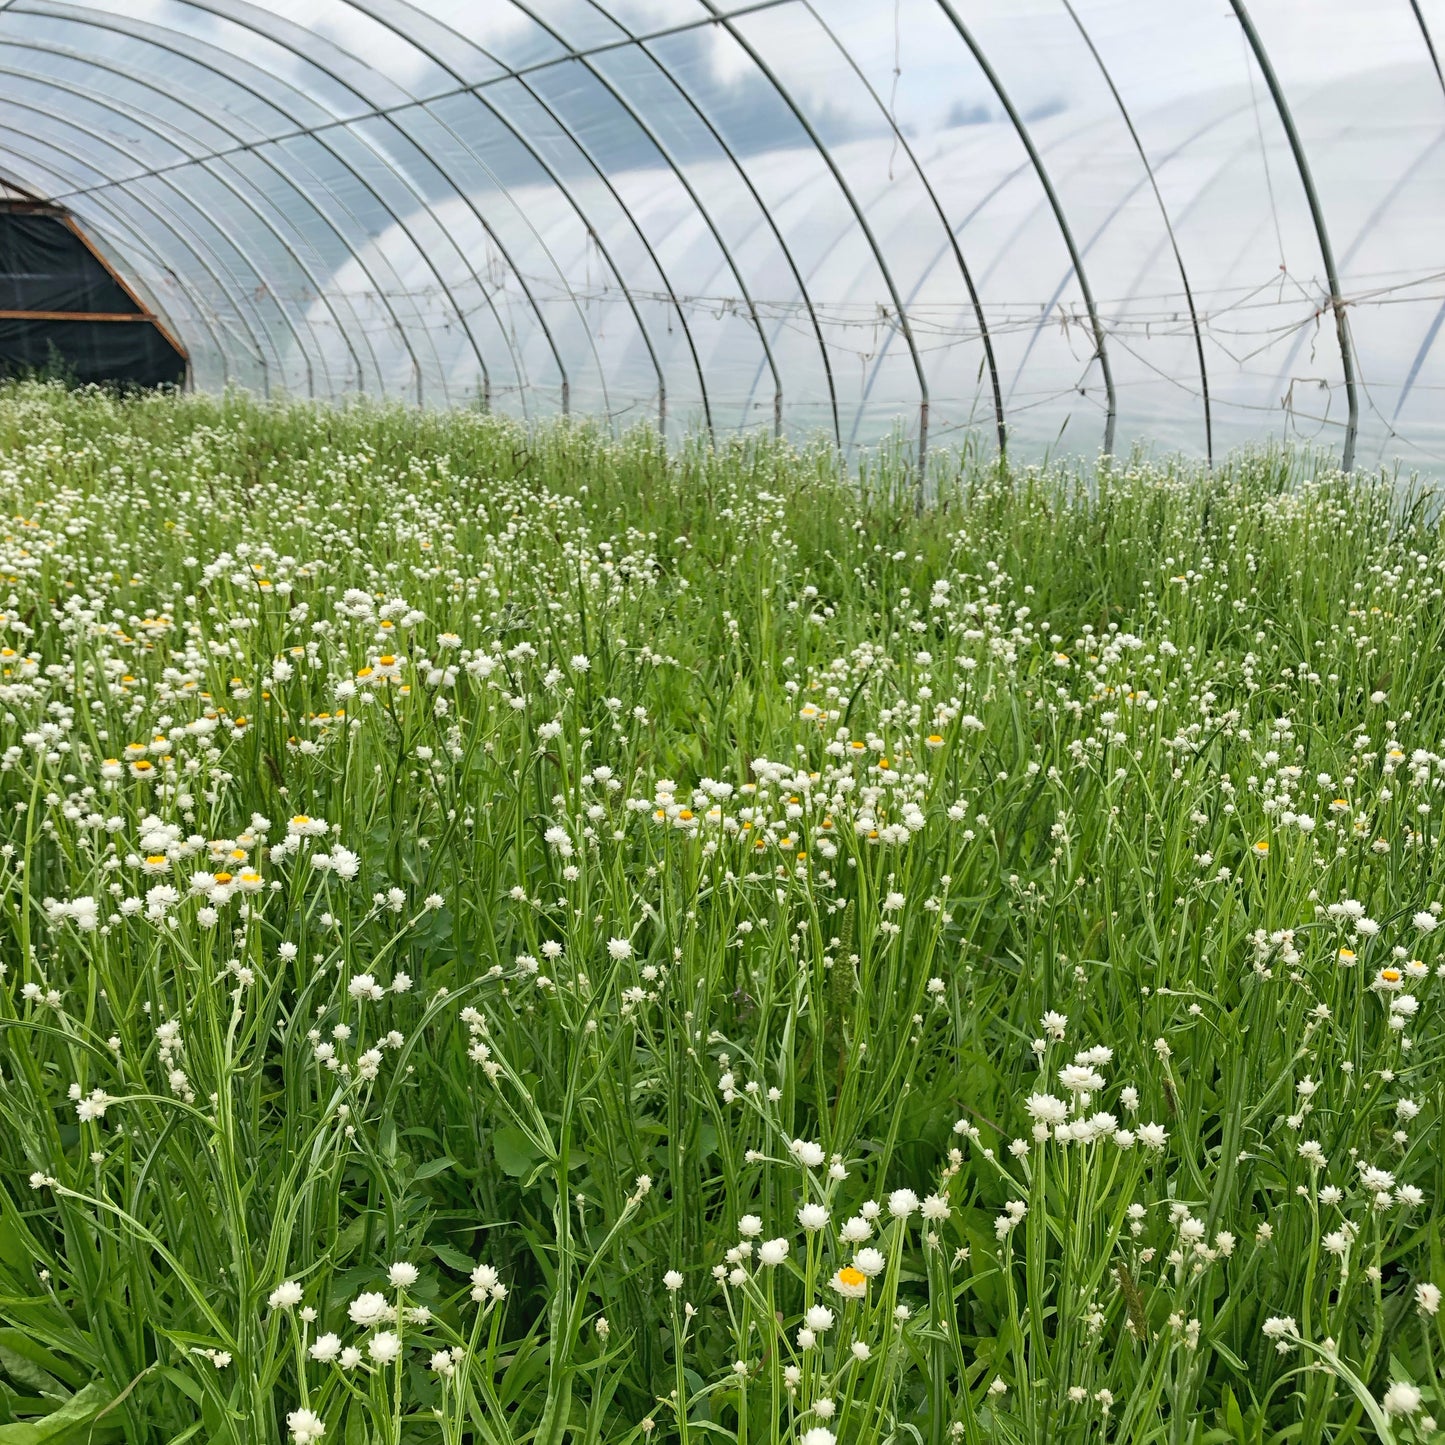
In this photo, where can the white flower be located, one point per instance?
(750, 1226)
(1081, 1079)
(672, 1279)
(808, 1154)
(285, 1296)
(1425, 921)
(1402, 1398)
(773, 1251)
(384, 1347)
(869, 1262)
(1427, 1298)
(902, 1203)
(1283, 1330)
(855, 1230)
(1152, 1136)
(368, 1310)
(935, 1207)
(619, 948)
(819, 1318)
(305, 1426)
(326, 1348)
(1046, 1109)
(344, 863)
(819, 1435)
(402, 1276)
(812, 1217)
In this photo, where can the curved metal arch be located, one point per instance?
(1099, 230)
(641, 236)
(702, 210)
(525, 142)
(246, 202)
(233, 15)
(111, 228)
(1000, 185)
(1022, 130)
(209, 6)
(771, 218)
(589, 231)
(1429, 42)
(1369, 224)
(766, 213)
(828, 160)
(144, 82)
(173, 226)
(512, 265)
(505, 73)
(149, 123)
(963, 268)
(1337, 301)
(426, 107)
(195, 56)
(1003, 182)
(565, 191)
(140, 31)
(1168, 226)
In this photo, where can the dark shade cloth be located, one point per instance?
(45, 266)
(132, 353)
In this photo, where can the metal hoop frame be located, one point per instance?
(368, 123)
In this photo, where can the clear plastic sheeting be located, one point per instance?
(1055, 225)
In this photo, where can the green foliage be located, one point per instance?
(545, 915)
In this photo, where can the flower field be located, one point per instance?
(515, 936)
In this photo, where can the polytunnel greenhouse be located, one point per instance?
(722, 722)
(1050, 225)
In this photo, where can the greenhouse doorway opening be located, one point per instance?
(65, 311)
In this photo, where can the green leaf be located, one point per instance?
(69, 1425)
(453, 1258)
(1229, 1358)
(433, 1167)
(19, 1343)
(515, 1153)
